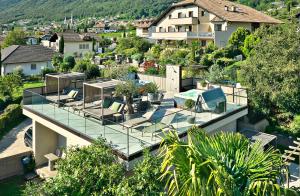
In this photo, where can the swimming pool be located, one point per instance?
(180, 98)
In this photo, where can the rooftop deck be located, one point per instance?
(127, 141)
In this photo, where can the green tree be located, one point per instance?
(250, 42)
(145, 178)
(68, 63)
(238, 37)
(92, 71)
(272, 72)
(88, 170)
(9, 84)
(127, 89)
(0, 61)
(15, 37)
(61, 45)
(56, 60)
(221, 164)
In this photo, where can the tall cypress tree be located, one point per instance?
(0, 62)
(61, 45)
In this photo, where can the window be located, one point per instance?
(170, 29)
(202, 13)
(190, 13)
(80, 46)
(190, 28)
(218, 27)
(170, 16)
(87, 46)
(180, 15)
(203, 43)
(84, 46)
(33, 66)
(160, 29)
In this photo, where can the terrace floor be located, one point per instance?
(126, 141)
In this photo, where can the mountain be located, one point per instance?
(11, 10)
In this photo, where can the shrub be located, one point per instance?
(295, 125)
(92, 71)
(47, 70)
(132, 69)
(68, 64)
(189, 103)
(151, 88)
(138, 57)
(224, 62)
(152, 71)
(11, 115)
(206, 60)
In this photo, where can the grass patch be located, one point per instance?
(10, 126)
(115, 34)
(12, 186)
(26, 85)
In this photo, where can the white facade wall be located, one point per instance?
(26, 67)
(222, 37)
(73, 48)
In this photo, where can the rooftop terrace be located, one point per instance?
(127, 140)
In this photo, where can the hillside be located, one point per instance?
(11, 10)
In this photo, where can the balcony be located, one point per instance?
(182, 35)
(184, 21)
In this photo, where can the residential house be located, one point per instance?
(99, 27)
(31, 59)
(143, 28)
(207, 20)
(75, 44)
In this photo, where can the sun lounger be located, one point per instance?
(72, 95)
(137, 121)
(100, 113)
(157, 127)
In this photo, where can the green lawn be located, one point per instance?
(12, 186)
(115, 34)
(26, 85)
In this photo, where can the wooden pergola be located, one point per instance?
(56, 82)
(98, 91)
(289, 155)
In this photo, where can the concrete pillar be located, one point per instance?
(45, 141)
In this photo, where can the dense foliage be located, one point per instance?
(39, 9)
(94, 170)
(272, 71)
(15, 37)
(222, 164)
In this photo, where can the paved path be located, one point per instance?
(13, 142)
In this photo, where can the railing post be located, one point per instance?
(233, 98)
(128, 143)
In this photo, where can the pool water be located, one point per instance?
(191, 94)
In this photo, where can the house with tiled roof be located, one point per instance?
(30, 58)
(75, 44)
(207, 20)
(143, 28)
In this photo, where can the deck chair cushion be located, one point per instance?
(121, 108)
(71, 93)
(115, 106)
(106, 103)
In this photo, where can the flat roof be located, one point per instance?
(254, 136)
(102, 85)
(72, 75)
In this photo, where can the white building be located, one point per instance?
(31, 59)
(207, 20)
(75, 44)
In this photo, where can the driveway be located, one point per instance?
(13, 142)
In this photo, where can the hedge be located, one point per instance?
(12, 116)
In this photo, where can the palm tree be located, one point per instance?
(222, 164)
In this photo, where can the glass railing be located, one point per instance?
(129, 140)
(116, 135)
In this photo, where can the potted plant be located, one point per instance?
(127, 89)
(189, 104)
(152, 90)
(132, 71)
